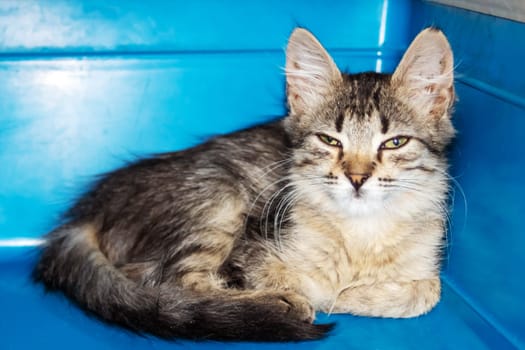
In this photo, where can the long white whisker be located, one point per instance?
(286, 203)
(269, 203)
(439, 204)
(289, 200)
(452, 191)
(254, 203)
(274, 166)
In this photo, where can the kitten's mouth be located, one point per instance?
(357, 194)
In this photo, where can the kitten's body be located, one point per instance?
(245, 236)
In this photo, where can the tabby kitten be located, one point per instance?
(338, 207)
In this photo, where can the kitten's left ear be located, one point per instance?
(425, 77)
(311, 73)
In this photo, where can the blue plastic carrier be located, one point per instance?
(87, 85)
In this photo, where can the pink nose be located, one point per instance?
(357, 180)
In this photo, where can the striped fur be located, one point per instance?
(338, 207)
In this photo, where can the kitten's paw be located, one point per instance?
(426, 294)
(291, 304)
(296, 306)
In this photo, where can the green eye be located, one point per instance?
(330, 141)
(395, 142)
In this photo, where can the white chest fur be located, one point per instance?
(330, 258)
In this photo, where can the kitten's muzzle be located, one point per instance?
(357, 180)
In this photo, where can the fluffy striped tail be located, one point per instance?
(72, 262)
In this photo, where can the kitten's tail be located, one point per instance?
(72, 262)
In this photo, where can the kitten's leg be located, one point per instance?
(203, 278)
(199, 270)
(390, 299)
(194, 261)
(263, 269)
(266, 272)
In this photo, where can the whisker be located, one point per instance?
(254, 203)
(439, 204)
(284, 205)
(269, 204)
(267, 209)
(452, 195)
(274, 166)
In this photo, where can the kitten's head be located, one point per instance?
(370, 142)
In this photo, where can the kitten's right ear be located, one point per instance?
(310, 72)
(425, 76)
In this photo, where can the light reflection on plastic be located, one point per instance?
(382, 26)
(379, 65)
(379, 62)
(21, 242)
(382, 33)
(61, 79)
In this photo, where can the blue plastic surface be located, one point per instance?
(487, 242)
(88, 85)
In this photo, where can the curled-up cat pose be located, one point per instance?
(338, 207)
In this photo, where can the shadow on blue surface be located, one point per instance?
(46, 321)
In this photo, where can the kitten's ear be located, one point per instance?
(310, 72)
(425, 77)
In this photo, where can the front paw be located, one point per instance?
(426, 294)
(390, 299)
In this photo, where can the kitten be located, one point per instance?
(338, 207)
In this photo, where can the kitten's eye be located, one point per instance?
(395, 142)
(330, 141)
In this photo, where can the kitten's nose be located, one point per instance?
(357, 180)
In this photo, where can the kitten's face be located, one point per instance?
(368, 143)
(360, 155)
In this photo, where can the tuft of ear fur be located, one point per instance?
(311, 73)
(425, 76)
